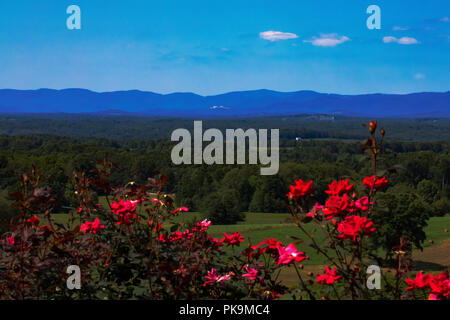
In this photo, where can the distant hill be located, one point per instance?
(240, 103)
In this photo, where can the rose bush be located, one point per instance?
(140, 246)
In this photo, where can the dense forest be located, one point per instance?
(309, 126)
(420, 167)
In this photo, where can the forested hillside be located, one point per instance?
(123, 127)
(422, 170)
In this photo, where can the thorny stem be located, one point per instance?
(311, 296)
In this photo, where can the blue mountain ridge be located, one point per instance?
(240, 103)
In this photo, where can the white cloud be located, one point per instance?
(407, 40)
(400, 28)
(402, 40)
(328, 40)
(389, 39)
(218, 107)
(419, 76)
(277, 35)
(445, 19)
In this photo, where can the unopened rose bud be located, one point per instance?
(372, 127)
(383, 132)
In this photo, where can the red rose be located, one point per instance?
(375, 182)
(234, 239)
(329, 277)
(33, 221)
(363, 204)
(338, 188)
(300, 189)
(290, 254)
(92, 227)
(353, 226)
(420, 282)
(337, 206)
(125, 211)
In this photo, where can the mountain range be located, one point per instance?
(236, 104)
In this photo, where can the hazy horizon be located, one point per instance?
(226, 92)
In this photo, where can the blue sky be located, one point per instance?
(210, 46)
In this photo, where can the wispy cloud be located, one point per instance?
(445, 19)
(277, 35)
(328, 40)
(219, 107)
(400, 28)
(402, 40)
(419, 76)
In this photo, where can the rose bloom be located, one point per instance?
(353, 226)
(92, 227)
(182, 209)
(300, 189)
(125, 211)
(377, 183)
(213, 277)
(271, 245)
(337, 206)
(329, 277)
(202, 225)
(234, 239)
(440, 285)
(421, 281)
(267, 246)
(290, 254)
(178, 235)
(124, 206)
(338, 188)
(33, 221)
(252, 273)
(363, 204)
